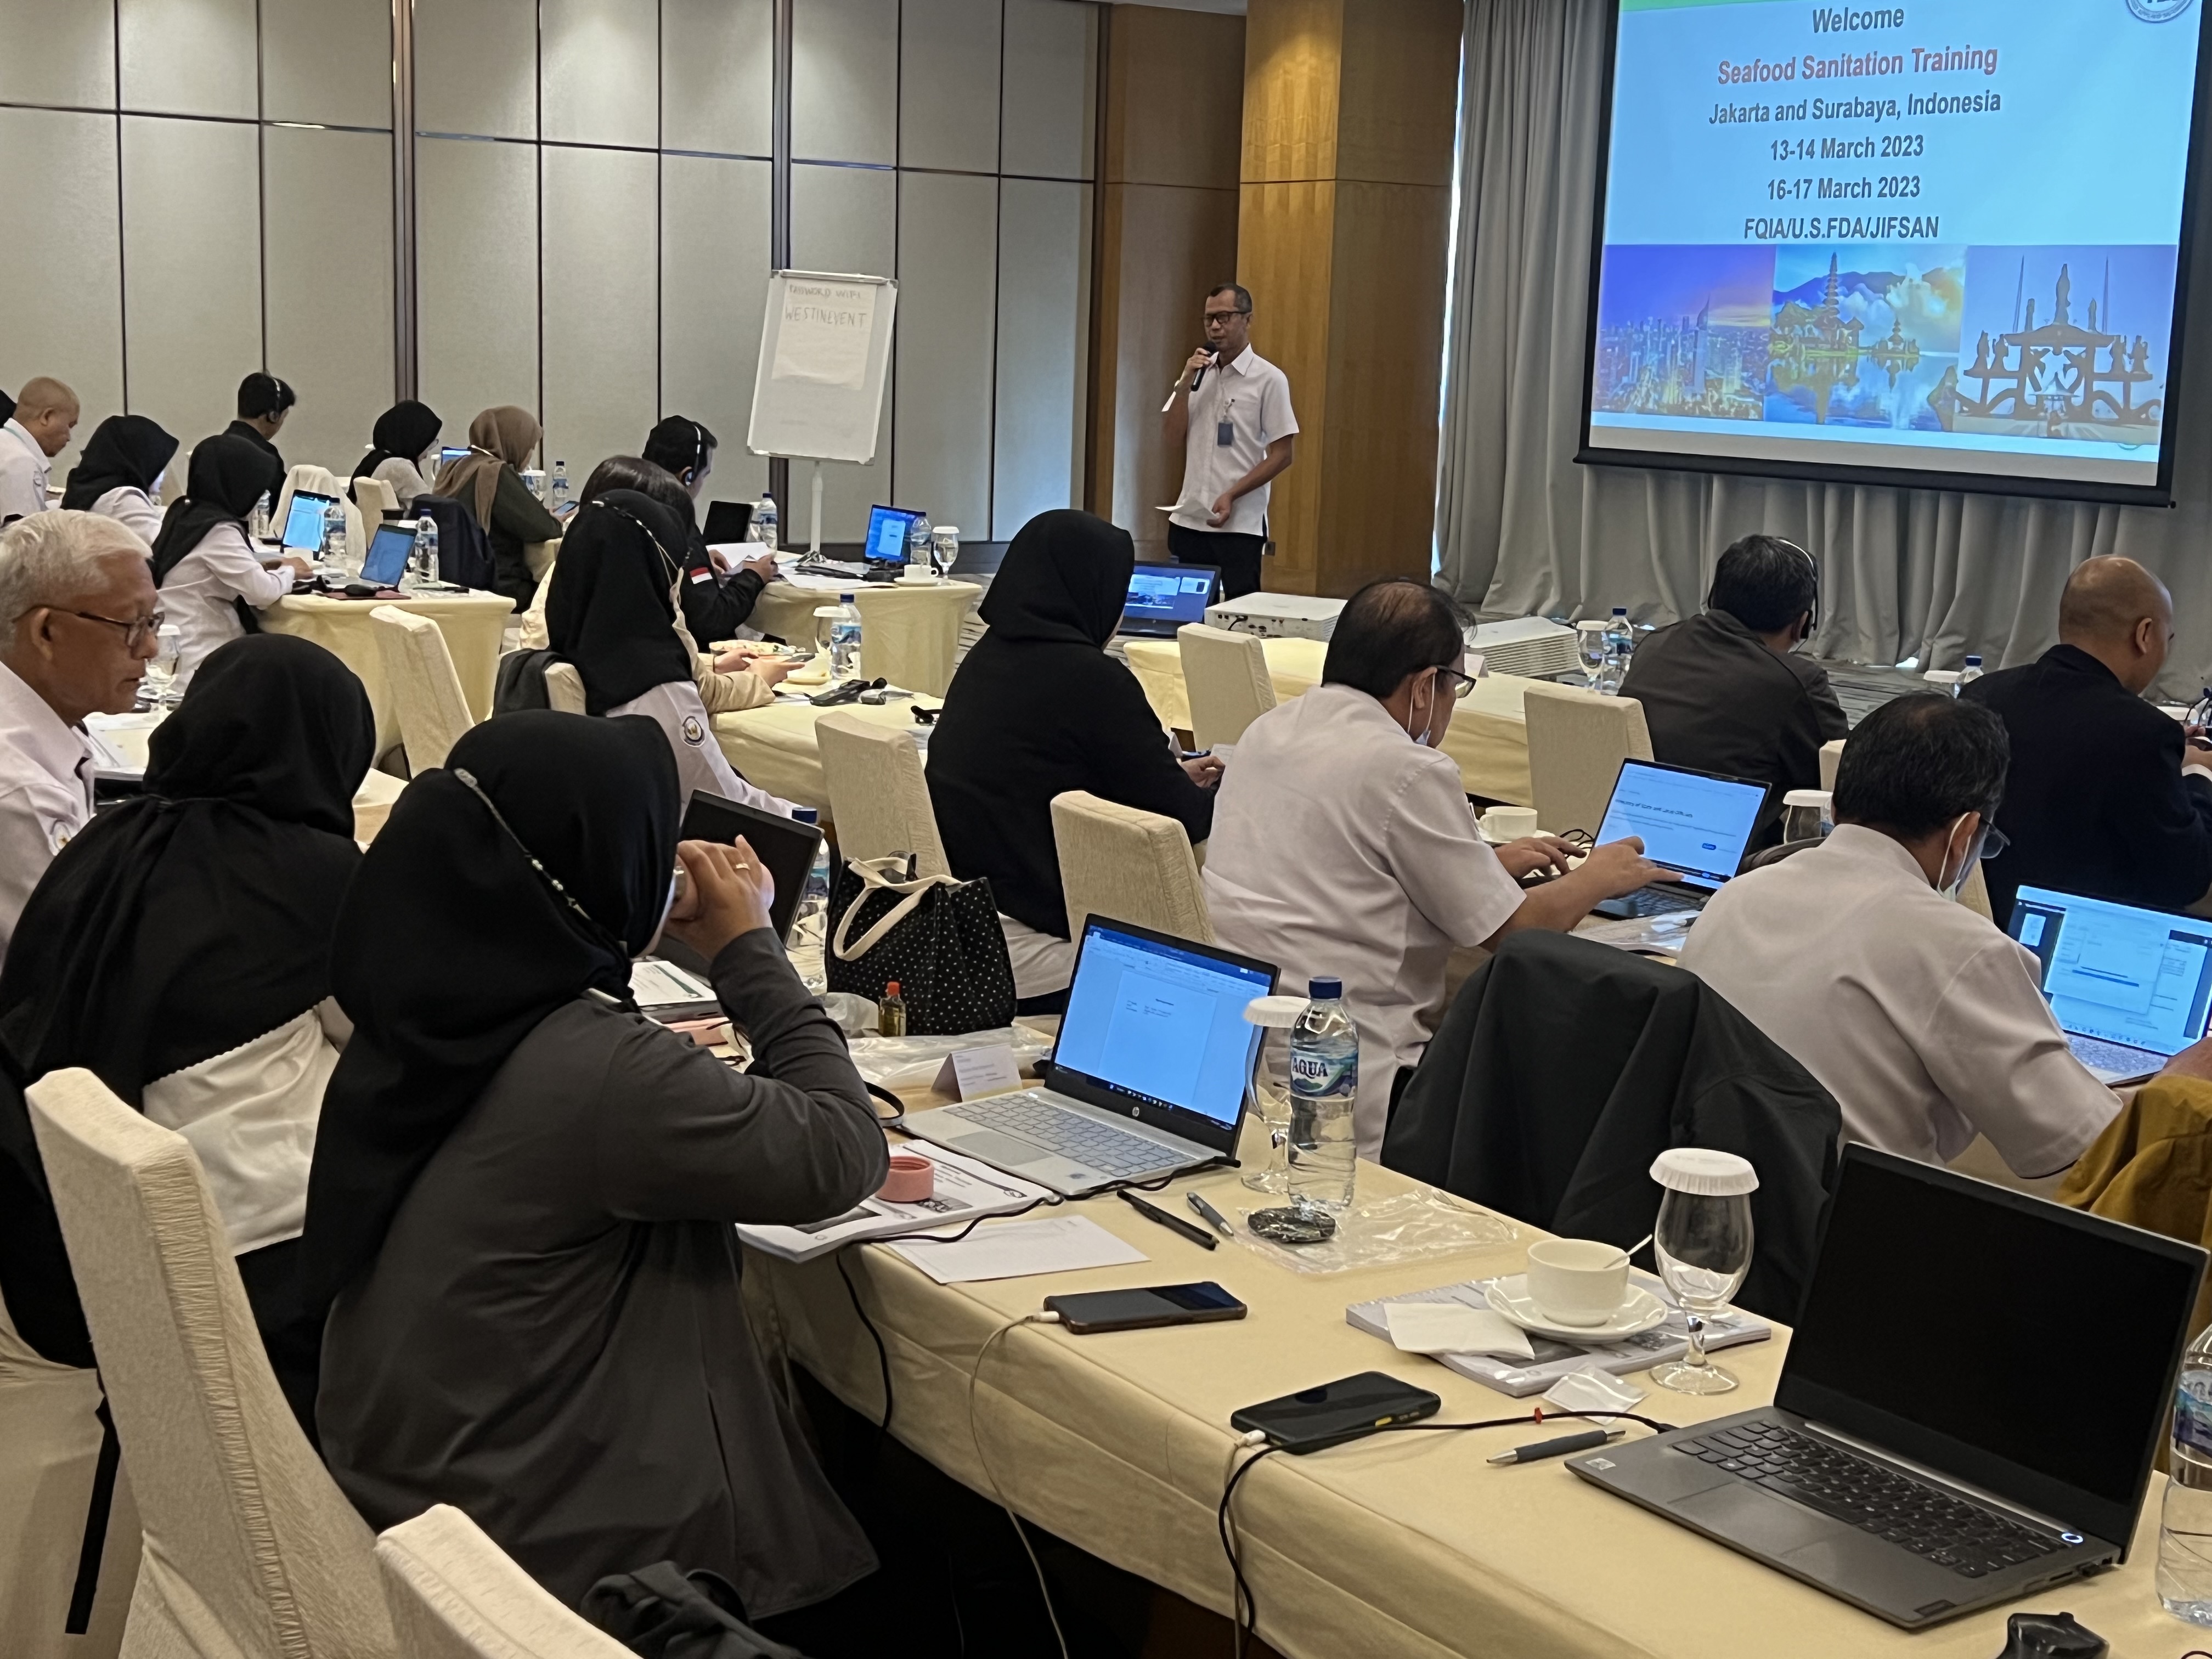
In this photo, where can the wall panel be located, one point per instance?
(601, 67)
(718, 76)
(948, 301)
(844, 80)
(602, 310)
(1051, 82)
(330, 319)
(1044, 275)
(475, 67)
(58, 52)
(61, 175)
(328, 61)
(713, 288)
(845, 219)
(949, 84)
(475, 227)
(191, 265)
(189, 56)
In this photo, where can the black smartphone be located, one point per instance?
(1135, 1310)
(1337, 1412)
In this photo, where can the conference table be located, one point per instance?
(1488, 737)
(1408, 1546)
(472, 623)
(773, 747)
(910, 632)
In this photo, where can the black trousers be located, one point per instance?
(1238, 556)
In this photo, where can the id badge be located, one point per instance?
(1224, 432)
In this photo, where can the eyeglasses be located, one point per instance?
(1460, 683)
(1224, 316)
(134, 633)
(1994, 842)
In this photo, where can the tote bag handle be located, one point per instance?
(874, 875)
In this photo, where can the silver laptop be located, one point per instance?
(1147, 1078)
(1695, 823)
(1973, 1393)
(2129, 985)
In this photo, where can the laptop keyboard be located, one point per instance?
(1971, 1540)
(2099, 1055)
(1660, 902)
(1100, 1146)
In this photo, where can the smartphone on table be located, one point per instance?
(1087, 1311)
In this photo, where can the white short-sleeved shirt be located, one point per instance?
(678, 710)
(1253, 397)
(1340, 847)
(133, 508)
(45, 792)
(197, 595)
(24, 472)
(1920, 1017)
(406, 480)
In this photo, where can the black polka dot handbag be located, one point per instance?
(937, 937)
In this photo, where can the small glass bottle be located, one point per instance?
(891, 1013)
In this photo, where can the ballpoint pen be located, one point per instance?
(1214, 1218)
(1172, 1222)
(1565, 1445)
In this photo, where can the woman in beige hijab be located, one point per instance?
(488, 481)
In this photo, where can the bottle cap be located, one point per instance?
(1706, 1173)
(891, 989)
(1274, 1010)
(1620, 610)
(1325, 990)
(806, 815)
(844, 598)
(1974, 662)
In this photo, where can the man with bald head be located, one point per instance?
(2104, 798)
(45, 414)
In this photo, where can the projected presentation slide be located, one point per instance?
(1937, 236)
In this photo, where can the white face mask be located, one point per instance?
(1419, 731)
(1950, 889)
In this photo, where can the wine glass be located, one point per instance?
(1270, 1096)
(1703, 1242)
(161, 666)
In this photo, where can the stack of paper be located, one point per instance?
(965, 1190)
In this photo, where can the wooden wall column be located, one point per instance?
(1166, 229)
(1344, 217)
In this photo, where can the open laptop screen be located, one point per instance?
(1160, 1022)
(1999, 1339)
(386, 561)
(2114, 972)
(1694, 822)
(303, 520)
(887, 533)
(1168, 595)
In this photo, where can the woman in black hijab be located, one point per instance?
(523, 1192)
(121, 462)
(180, 948)
(403, 438)
(1037, 708)
(212, 576)
(612, 612)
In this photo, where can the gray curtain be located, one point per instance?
(1523, 531)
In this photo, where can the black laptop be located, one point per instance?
(1972, 1397)
(1163, 596)
(786, 845)
(727, 522)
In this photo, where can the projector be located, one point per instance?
(1281, 615)
(1528, 646)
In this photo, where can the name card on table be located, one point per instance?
(971, 1073)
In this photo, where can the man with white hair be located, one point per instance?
(45, 414)
(78, 619)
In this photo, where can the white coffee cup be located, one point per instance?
(1503, 824)
(918, 575)
(1577, 1281)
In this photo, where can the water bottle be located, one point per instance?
(764, 525)
(1619, 646)
(918, 536)
(258, 526)
(845, 640)
(1969, 674)
(334, 536)
(560, 486)
(1324, 1090)
(424, 559)
(810, 922)
(2185, 1529)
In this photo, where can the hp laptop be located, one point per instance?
(1147, 1078)
(386, 561)
(303, 521)
(1696, 823)
(1163, 596)
(1975, 1389)
(2128, 986)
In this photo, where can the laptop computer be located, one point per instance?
(2129, 986)
(1973, 1397)
(887, 533)
(1163, 596)
(1147, 1078)
(303, 521)
(727, 522)
(786, 845)
(1696, 823)
(386, 561)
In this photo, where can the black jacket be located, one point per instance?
(2094, 800)
(714, 605)
(1564, 1068)
(1718, 700)
(241, 429)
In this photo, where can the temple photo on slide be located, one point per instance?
(1861, 336)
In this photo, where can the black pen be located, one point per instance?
(1172, 1222)
(1566, 1445)
(1213, 1217)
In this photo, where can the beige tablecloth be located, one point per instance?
(470, 623)
(1407, 1546)
(773, 747)
(1488, 737)
(908, 635)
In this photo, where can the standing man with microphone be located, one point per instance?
(1230, 411)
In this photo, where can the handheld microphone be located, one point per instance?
(1199, 374)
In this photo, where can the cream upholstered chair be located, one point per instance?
(1128, 865)
(1576, 741)
(374, 498)
(564, 689)
(418, 671)
(529, 629)
(878, 797)
(1831, 761)
(372, 803)
(251, 1550)
(455, 1595)
(321, 481)
(540, 556)
(1225, 676)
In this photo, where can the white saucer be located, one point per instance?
(1640, 1313)
(918, 581)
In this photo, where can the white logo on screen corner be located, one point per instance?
(2159, 11)
(694, 733)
